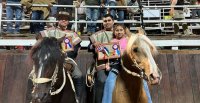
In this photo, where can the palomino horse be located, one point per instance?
(138, 64)
(51, 83)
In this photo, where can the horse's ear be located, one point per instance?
(140, 31)
(128, 32)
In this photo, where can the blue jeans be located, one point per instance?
(77, 78)
(92, 14)
(10, 10)
(111, 10)
(53, 11)
(110, 84)
(99, 85)
(36, 27)
(109, 87)
(120, 15)
(146, 88)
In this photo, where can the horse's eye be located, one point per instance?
(135, 49)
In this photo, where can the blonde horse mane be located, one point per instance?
(140, 37)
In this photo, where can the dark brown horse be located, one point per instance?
(138, 64)
(50, 82)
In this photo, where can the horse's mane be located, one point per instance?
(46, 51)
(141, 39)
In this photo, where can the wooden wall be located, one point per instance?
(180, 83)
(13, 77)
(181, 78)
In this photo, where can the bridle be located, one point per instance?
(141, 74)
(53, 80)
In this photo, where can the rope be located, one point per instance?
(62, 86)
(130, 72)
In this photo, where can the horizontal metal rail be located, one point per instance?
(125, 21)
(155, 6)
(85, 43)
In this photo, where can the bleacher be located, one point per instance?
(154, 20)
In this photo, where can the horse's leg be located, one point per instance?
(143, 98)
(145, 95)
(120, 93)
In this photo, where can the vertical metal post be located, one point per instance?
(76, 19)
(1, 11)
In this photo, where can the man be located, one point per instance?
(10, 11)
(70, 10)
(178, 14)
(105, 36)
(38, 13)
(102, 36)
(61, 32)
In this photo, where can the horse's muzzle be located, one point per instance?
(40, 97)
(154, 80)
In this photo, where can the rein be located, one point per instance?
(142, 73)
(53, 79)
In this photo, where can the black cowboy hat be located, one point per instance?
(63, 15)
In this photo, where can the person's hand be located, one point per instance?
(97, 44)
(50, 5)
(171, 12)
(77, 4)
(102, 5)
(4, 4)
(24, 9)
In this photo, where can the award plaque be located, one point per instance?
(67, 44)
(108, 51)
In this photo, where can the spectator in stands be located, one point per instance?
(92, 15)
(54, 9)
(81, 16)
(111, 11)
(121, 11)
(38, 13)
(178, 14)
(196, 11)
(61, 32)
(132, 11)
(10, 11)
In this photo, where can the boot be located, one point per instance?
(176, 29)
(186, 31)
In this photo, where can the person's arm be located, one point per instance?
(73, 54)
(173, 3)
(26, 3)
(102, 3)
(4, 3)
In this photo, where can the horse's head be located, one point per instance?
(139, 54)
(47, 67)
